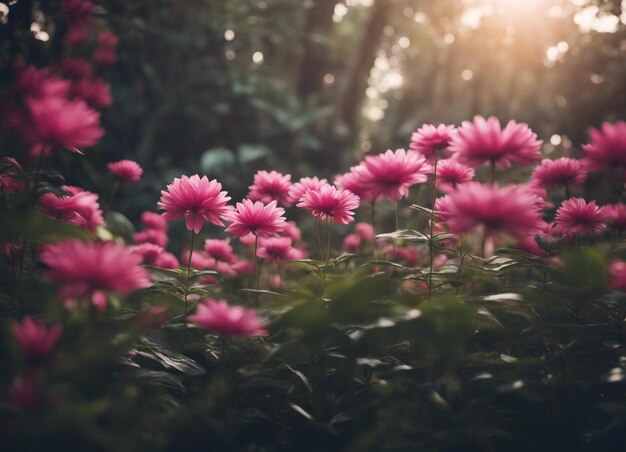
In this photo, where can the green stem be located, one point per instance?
(193, 234)
(395, 207)
(458, 272)
(257, 267)
(319, 240)
(432, 224)
(330, 231)
(116, 186)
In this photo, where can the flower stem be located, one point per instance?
(193, 234)
(458, 272)
(432, 223)
(257, 267)
(116, 186)
(493, 172)
(319, 240)
(395, 207)
(330, 231)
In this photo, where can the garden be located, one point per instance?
(279, 225)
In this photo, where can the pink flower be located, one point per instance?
(92, 269)
(257, 218)
(330, 203)
(243, 267)
(351, 243)
(278, 248)
(482, 141)
(271, 186)
(104, 57)
(220, 250)
(298, 189)
(608, 147)
(392, 173)
(227, 320)
(166, 260)
(616, 215)
(60, 122)
(107, 40)
(564, 172)
(155, 236)
(197, 199)
(34, 339)
(125, 170)
(149, 252)
(33, 83)
(248, 240)
(510, 210)
(357, 182)
(617, 270)
(75, 68)
(80, 207)
(429, 139)
(451, 173)
(292, 231)
(95, 92)
(364, 230)
(153, 220)
(576, 217)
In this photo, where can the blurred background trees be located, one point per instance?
(309, 86)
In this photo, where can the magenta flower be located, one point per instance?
(93, 91)
(154, 236)
(153, 220)
(92, 269)
(197, 199)
(364, 230)
(8, 179)
(357, 182)
(292, 231)
(257, 218)
(166, 260)
(607, 148)
(278, 248)
(429, 139)
(616, 215)
(617, 270)
(299, 189)
(451, 173)
(271, 186)
(220, 250)
(563, 172)
(330, 203)
(80, 207)
(351, 243)
(227, 320)
(60, 122)
(34, 339)
(149, 252)
(577, 217)
(510, 210)
(107, 39)
(392, 173)
(125, 170)
(483, 141)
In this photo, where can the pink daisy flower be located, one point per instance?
(429, 139)
(356, 181)
(154, 236)
(220, 250)
(451, 173)
(577, 217)
(271, 186)
(292, 231)
(617, 270)
(149, 252)
(93, 269)
(34, 339)
(197, 199)
(278, 248)
(351, 243)
(125, 170)
(59, 122)
(80, 207)
(227, 320)
(298, 189)
(563, 172)
(483, 141)
(153, 220)
(364, 230)
(607, 148)
(392, 173)
(510, 210)
(616, 215)
(262, 220)
(330, 203)
(166, 260)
